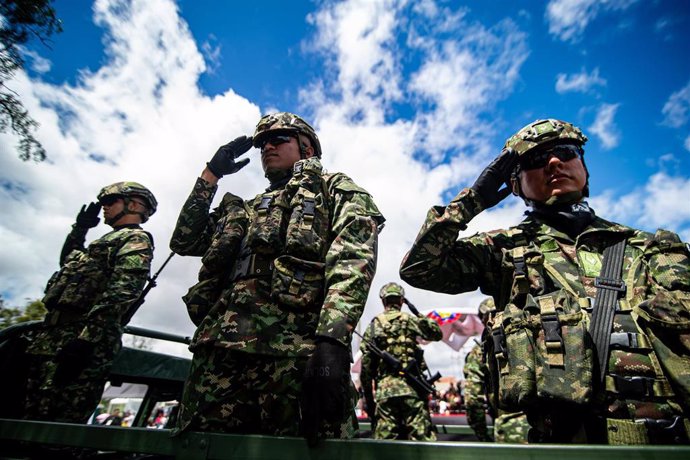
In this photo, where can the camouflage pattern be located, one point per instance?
(280, 269)
(87, 299)
(511, 428)
(401, 413)
(538, 374)
(131, 189)
(544, 132)
(475, 393)
(286, 122)
(249, 394)
(391, 290)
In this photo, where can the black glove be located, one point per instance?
(223, 162)
(326, 388)
(71, 360)
(88, 216)
(488, 184)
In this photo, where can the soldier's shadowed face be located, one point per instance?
(556, 178)
(281, 157)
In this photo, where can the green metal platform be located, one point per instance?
(196, 445)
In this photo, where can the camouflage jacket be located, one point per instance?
(559, 273)
(476, 380)
(395, 332)
(283, 267)
(95, 286)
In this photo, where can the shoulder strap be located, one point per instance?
(609, 287)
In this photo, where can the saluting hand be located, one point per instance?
(223, 162)
(488, 184)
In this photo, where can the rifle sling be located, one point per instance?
(609, 287)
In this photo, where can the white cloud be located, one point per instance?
(580, 82)
(657, 204)
(39, 64)
(687, 143)
(677, 107)
(143, 114)
(604, 126)
(568, 19)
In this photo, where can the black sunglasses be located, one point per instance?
(275, 140)
(540, 158)
(109, 200)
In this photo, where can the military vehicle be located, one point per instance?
(164, 377)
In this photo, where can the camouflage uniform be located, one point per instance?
(277, 270)
(475, 388)
(401, 412)
(89, 300)
(532, 268)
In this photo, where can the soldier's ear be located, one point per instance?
(515, 184)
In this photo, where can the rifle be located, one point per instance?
(151, 283)
(411, 372)
(412, 308)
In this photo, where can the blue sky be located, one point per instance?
(411, 99)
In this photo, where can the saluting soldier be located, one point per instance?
(284, 279)
(588, 336)
(89, 301)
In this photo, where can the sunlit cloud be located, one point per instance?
(604, 126)
(677, 108)
(568, 19)
(580, 82)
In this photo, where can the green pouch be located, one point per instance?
(298, 283)
(564, 351)
(201, 297)
(512, 343)
(665, 319)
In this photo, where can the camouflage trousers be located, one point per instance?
(403, 417)
(476, 419)
(511, 428)
(71, 402)
(236, 392)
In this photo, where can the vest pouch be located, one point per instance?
(267, 230)
(665, 319)
(225, 243)
(298, 283)
(202, 296)
(54, 289)
(511, 341)
(81, 280)
(307, 230)
(564, 351)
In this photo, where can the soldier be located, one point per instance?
(476, 380)
(90, 301)
(586, 339)
(284, 279)
(509, 427)
(399, 410)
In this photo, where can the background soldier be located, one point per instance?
(284, 280)
(619, 374)
(89, 302)
(476, 382)
(399, 411)
(509, 427)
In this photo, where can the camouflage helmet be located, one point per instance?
(129, 190)
(487, 306)
(391, 290)
(545, 132)
(286, 122)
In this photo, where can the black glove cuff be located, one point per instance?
(213, 170)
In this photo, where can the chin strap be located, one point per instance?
(125, 211)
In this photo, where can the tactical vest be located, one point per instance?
(282, 235)
(543, 355)
(78, 285)
(396, 335)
